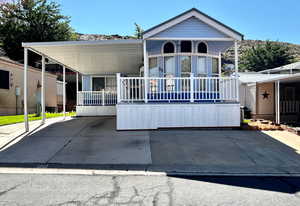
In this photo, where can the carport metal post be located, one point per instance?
(43, 90)
(236, 67)
(64, 91)
(26, 90)
(146, 70)
(77, 88)
(277, 102)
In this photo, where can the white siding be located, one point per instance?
(191, 28)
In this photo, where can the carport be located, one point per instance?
(287, 102)
(83, 57)
(271, 96)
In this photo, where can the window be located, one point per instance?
(153, 67)
(202, 48)
(201, 66)
(110, 83)
(98, 83)
(4, 79)
(169, 48)
(169, 65)
(215, 68)
(153, 72)
(185, 66)
(186, 46)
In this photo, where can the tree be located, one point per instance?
(265, 56)
(31, 21)
(138, 31)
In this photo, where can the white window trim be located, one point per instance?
(168, 54)
(103, 76)
(208, 51)
(163, 45)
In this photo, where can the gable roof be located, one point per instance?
(193, 13)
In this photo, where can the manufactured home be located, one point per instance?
(12, 90)
(169, 78)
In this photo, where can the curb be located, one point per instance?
(92, 172)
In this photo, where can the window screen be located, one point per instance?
(4, 79)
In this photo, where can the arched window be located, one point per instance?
(186, 46)
(202, 48)
(169, 48)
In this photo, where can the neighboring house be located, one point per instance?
(11, 88)
(170, 78)
(272, 94)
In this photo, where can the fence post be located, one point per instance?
(103, 97)
(192, 87)
(118, 87)
(146, 89)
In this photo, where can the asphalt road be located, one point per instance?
(16, 189)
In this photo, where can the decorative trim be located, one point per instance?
(202, 17)
(207, 48)
(163, 45)
(186, 38)
(184, 54)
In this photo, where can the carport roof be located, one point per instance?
(253, 77)
(93, 57)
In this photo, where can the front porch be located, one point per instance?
(156, 102)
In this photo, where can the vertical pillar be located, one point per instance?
(277, 102)
(146, 70)
(64, 91)
(77, 88)
(236, 67)
(220, 64)
(26, 90)
(192, 87)
(119, 95)
(43, 90)
(236, 58)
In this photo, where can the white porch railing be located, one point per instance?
(177, 89)
(289, 107)
(90, 98)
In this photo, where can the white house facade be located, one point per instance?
(169, 78)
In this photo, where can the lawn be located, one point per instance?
(5, 120)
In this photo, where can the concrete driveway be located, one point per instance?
(94, 142)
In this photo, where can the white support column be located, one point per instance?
(277, 86)
(119, 95)
(64, 91)
(220, 64)
(236, 67)
(146, 71)
(77, 88)
(192, 87)
(43, 91)
(26, 90)
(236, 57)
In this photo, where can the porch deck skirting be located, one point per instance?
(162, 115)
(85, 111)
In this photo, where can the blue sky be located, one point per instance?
(256, 19)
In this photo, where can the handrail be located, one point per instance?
(170, 89)
(96, 98)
